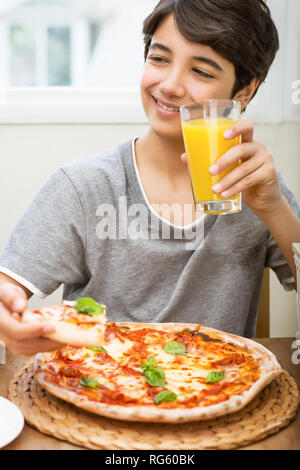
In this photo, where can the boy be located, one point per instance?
(194, 50)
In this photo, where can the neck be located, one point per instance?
(162, 154)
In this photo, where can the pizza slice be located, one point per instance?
(78, 323)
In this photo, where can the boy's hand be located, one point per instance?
(255, 177)
(21, 338)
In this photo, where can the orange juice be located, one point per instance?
(204, 143)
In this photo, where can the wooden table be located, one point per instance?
(286, 439)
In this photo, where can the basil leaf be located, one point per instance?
(175, 348)
(215, 376)
(97, 349)
(89, 382)
(149, 364)
(151, 360)
(165, 395)
(155, 377)
(88, 306)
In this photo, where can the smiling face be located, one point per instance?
(177, 72)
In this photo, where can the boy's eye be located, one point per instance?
(160, 59)
(202, 73)
(157, 58)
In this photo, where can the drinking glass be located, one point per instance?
(203, 126)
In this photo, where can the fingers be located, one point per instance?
(22, 338)
(30, 348)
(25, 339)
(257, 169)
(233, 155)
(242, 172)
(243, 128)
(13, 297)
(11, 327)
(246, 130)
(239, 185)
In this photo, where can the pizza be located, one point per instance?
(159, 372)
(80, 323)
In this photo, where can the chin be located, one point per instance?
(167, 130)
(164, 131)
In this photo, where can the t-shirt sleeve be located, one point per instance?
(47, 246)
(274, 258)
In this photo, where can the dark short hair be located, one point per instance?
(241, 31)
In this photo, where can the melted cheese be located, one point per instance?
(116, 349)
(122, 380)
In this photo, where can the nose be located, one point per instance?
(173, 83)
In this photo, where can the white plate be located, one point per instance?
(11, 421)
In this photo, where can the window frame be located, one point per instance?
(70, 105)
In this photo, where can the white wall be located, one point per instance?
(283, 140)
(30, 152)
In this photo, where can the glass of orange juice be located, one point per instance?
(203, 126)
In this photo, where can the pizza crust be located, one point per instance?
(72, 334)
(269, 366)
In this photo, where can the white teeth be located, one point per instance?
(166, 107)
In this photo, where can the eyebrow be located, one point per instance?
(206, 60)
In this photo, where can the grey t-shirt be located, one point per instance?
(143, 268)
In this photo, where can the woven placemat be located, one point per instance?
(271, 410)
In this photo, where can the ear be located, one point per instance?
(245, 95)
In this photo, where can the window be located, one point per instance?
(49, 43)
(89, 44)
(40, 39)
